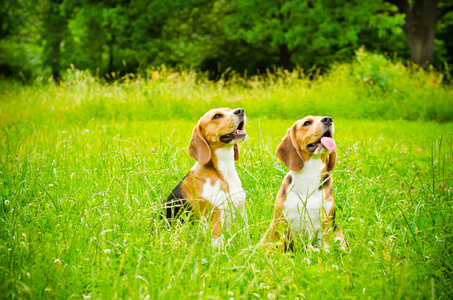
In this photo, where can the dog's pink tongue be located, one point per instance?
(328, 143)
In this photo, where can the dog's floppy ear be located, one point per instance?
(236, 152)
(288, 153)
(198, 147)
(332, 161)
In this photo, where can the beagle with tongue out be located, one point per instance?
(212, 190)
(305, 204)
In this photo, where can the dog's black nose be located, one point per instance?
(239, 111)
(327, 120)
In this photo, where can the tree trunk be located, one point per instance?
(56, 47)
(54, 27)
(285, 57)
(420, 28)
(111, 53)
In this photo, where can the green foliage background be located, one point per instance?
(246, 36)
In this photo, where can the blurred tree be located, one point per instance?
(10, 17)
(121, 35)
(420, 26)
(87, 38)
(18, 39)
(111, 36)
(54, 29)
(194, 37)
(306, 29)
(443, 45)
(147, 42)
(98, 30)
(116, 25)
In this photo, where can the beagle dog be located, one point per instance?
(305, 204)
(212, 190)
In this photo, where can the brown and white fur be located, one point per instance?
(305, 204)
(212, 189)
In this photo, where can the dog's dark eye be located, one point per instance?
(217, 116)
(307, 123)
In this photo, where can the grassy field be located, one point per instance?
(85, 166)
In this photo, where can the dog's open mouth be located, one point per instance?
(326, 141)
(239, 132)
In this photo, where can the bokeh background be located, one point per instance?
(116, 37)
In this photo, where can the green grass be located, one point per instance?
(372, 88)
(84, 167)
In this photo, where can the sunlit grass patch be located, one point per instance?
(77, 202)
(85, 167)
(372, 87)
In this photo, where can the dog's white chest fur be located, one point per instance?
(228, 203)
(304, 200)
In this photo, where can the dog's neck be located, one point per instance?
(310, 175)
(223, 162)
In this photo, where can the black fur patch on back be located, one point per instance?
(176, 204)
(290, 179)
